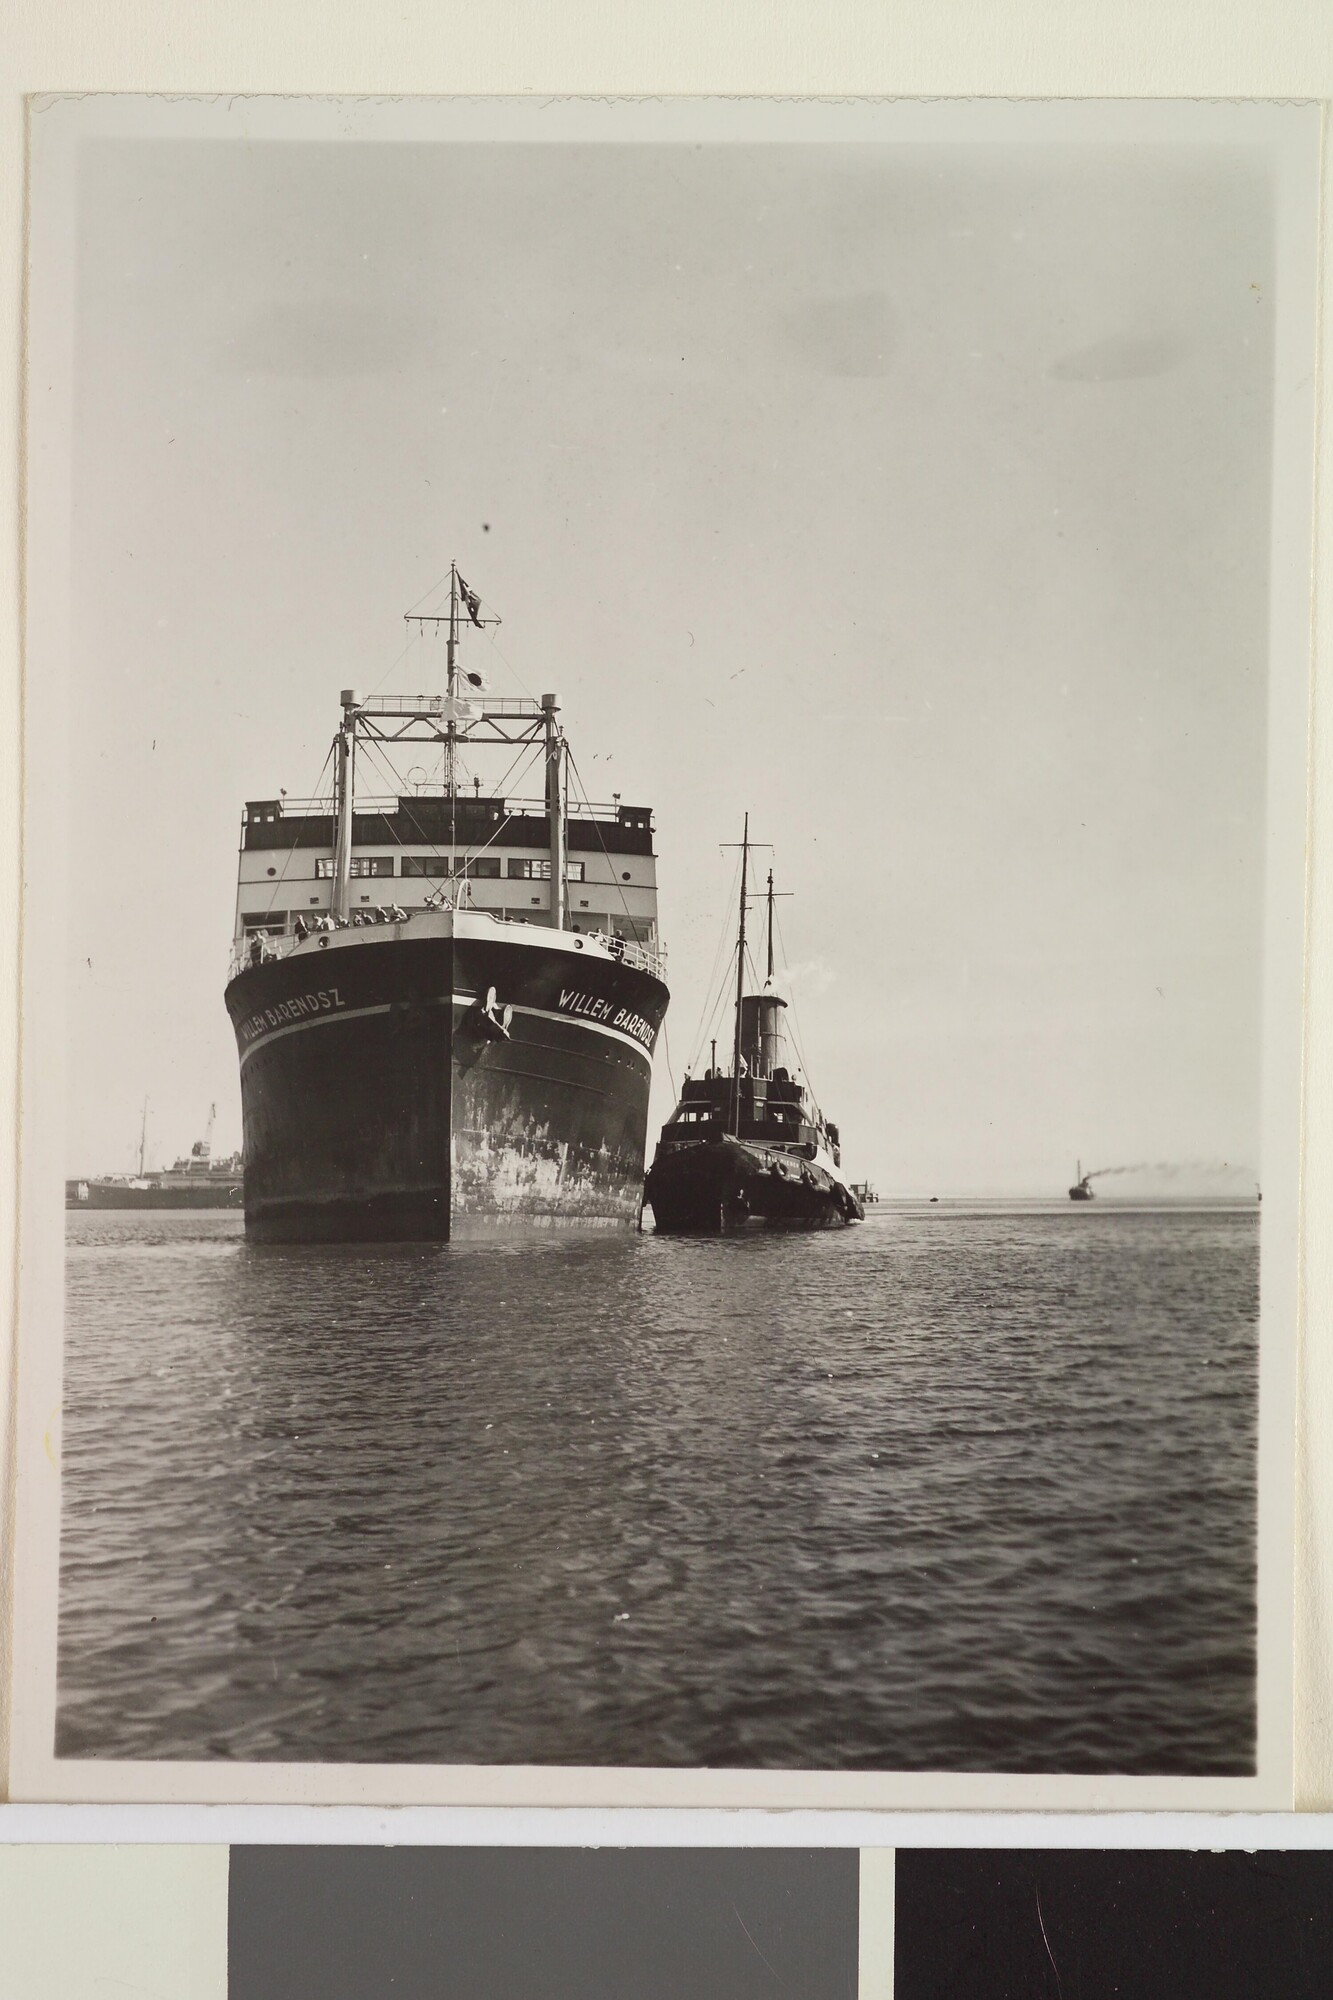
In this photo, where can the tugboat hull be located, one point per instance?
(726, 1183)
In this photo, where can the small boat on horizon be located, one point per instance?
(749, 1146)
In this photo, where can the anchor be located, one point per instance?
(490, 1020)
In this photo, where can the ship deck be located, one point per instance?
(460, 924)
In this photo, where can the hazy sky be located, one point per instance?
(913, 498)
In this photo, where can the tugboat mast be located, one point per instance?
(740, 983)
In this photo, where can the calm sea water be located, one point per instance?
(962, 1488)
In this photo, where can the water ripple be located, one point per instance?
(956, 1490)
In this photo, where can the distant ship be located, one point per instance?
(1082, 1188)
(445, 1001)
(750, 1146)
(198, 1181)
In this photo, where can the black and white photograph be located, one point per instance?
(667, 759)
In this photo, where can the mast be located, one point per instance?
(555, 807)
(451, 740)
(208, 1135)
(459, 594)
(770, 926)
(740, 983)
(143, 1137)
(419, 721)
(344, 803)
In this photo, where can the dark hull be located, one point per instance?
(735, 1184)
(379, 1103)
(112, 1194)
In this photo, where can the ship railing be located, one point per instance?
(643, 957)
(385, 803)
(279, 944)
(438, 704)
(276, 945)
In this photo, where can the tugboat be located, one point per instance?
(750, 1147)
(447, 1027)
(1082, 1188)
